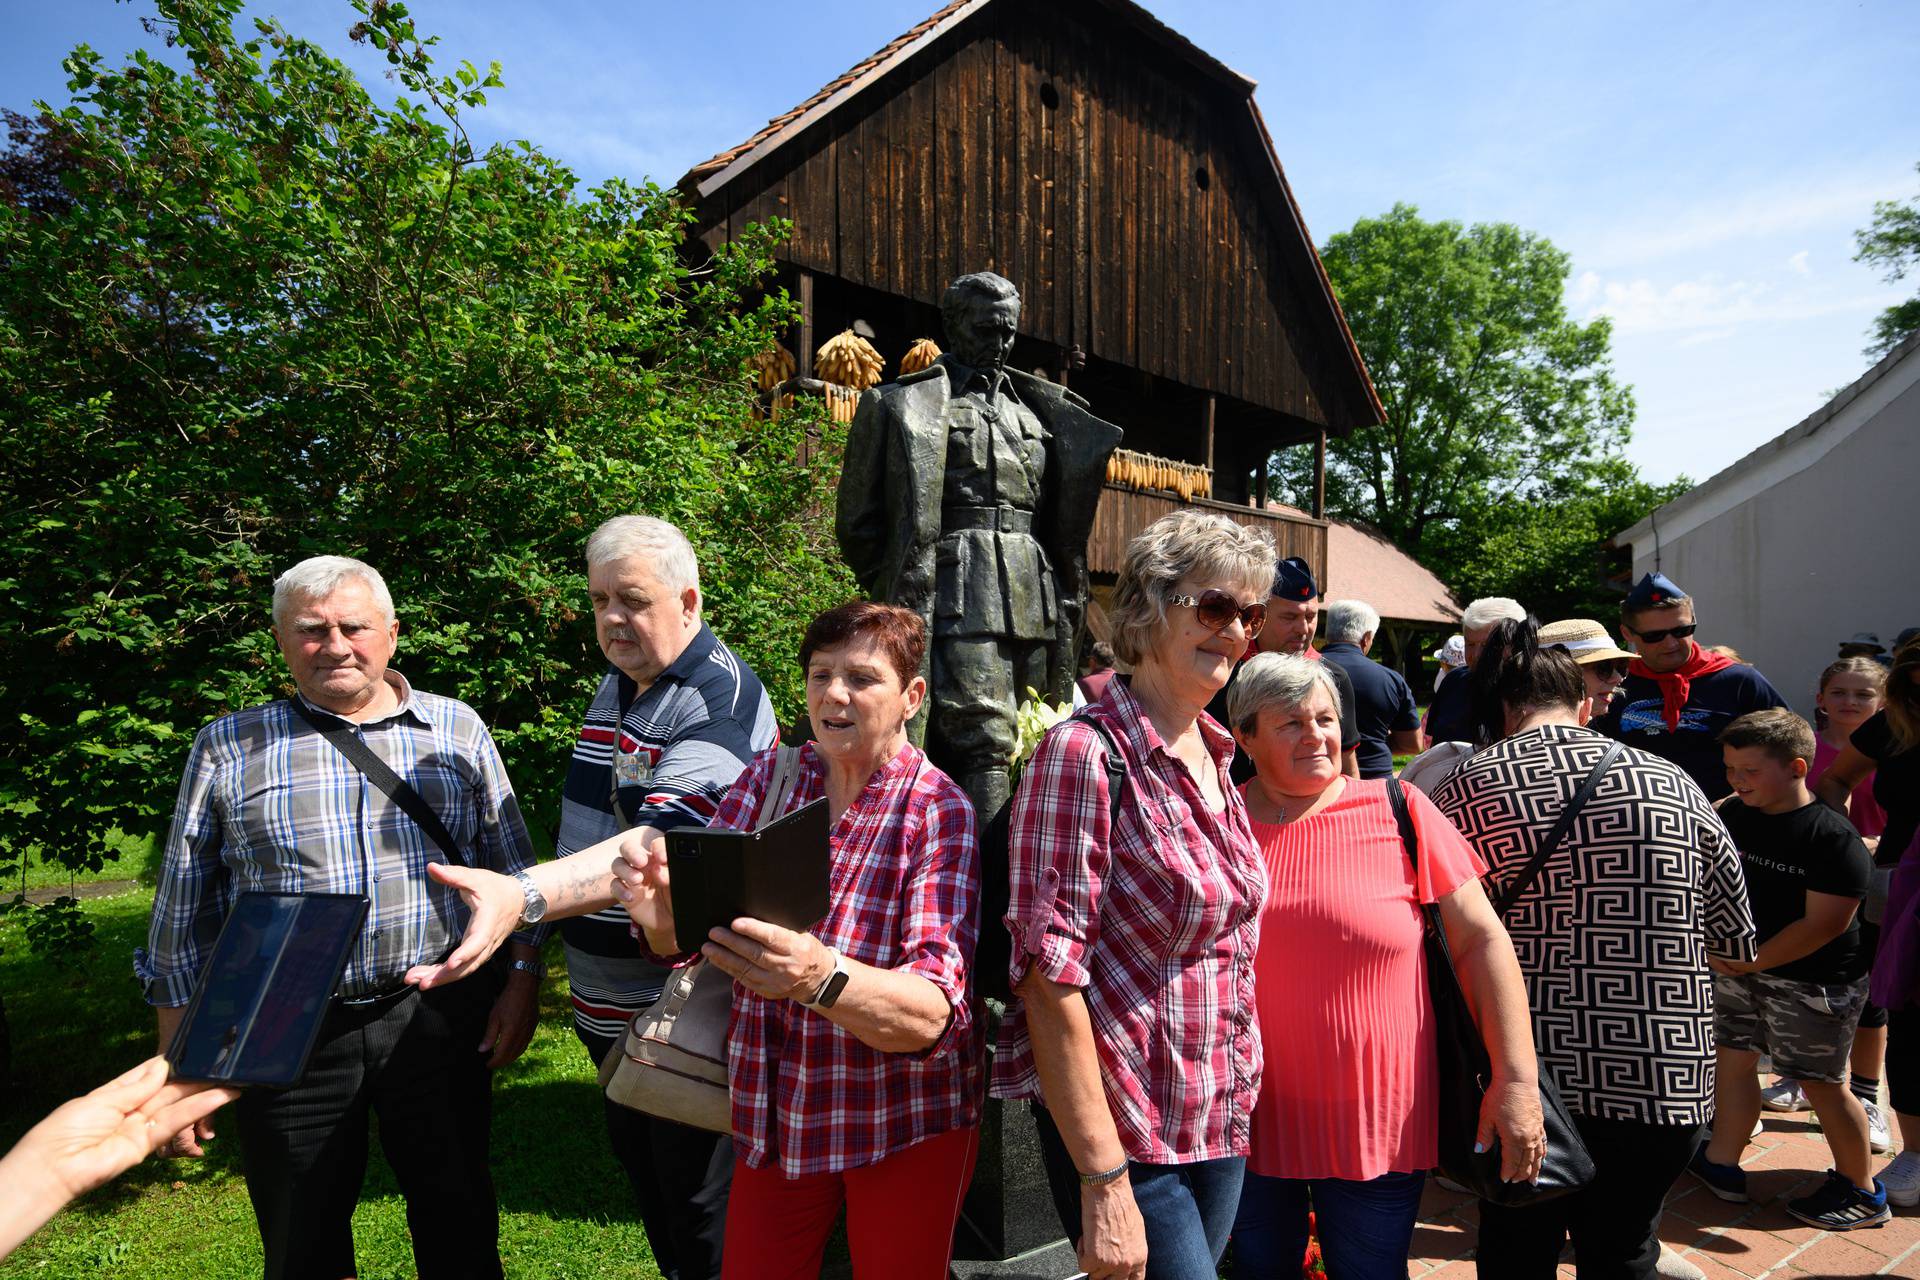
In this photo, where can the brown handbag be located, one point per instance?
(671, 1061)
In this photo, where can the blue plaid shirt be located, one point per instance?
(268, 803)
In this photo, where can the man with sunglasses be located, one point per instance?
(1677, 696)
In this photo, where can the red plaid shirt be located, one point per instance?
(1155, 920)
(808, 1096)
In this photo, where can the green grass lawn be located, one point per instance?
(566, 1209)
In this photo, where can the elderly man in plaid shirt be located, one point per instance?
(268, 802)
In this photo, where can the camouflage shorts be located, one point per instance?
(1807, 1027)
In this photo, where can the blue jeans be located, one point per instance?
(1187, 1209)
(1366, 1228)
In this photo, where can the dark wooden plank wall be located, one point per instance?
(1091, 206)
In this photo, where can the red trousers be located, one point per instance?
(900, 1214)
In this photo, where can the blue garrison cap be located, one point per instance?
(1293, 580)
(1654, 591)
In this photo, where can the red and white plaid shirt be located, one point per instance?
(808, 1096)
(1155, 920)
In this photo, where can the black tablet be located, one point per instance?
(780, 873)
(257, 1009)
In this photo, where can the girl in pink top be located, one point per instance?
(1851, 690)
(1346, 1121)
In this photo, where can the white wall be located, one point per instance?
(1807, 541)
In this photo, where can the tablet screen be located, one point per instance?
(257, 1010)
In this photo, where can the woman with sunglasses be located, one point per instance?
(1135, 905)
(1603, 664)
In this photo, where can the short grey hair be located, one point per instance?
(1488, 610)
(1186, 543)
(320, 576)
(665, 549)
(1348, 620)
(1283, 681)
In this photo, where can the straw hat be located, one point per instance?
(1584, 640)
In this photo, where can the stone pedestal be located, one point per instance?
(1008, 1211)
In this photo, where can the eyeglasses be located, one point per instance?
(1217, 610)
(1655, 637)
(1613, 668)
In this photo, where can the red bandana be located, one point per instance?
(1677, 686)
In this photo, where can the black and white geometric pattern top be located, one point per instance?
(1613, 936)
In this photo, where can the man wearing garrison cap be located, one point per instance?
(1677, 697)
(1293, 612)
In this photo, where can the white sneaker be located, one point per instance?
(1759, 1127)
(1785, 1096)
(1902, 1179)
(1672, 1266)
(1877, 1132)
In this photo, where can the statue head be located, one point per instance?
(981, 311)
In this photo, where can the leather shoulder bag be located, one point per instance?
(671, 1061)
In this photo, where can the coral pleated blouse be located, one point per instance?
(1350, 1085)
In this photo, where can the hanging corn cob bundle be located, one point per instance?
(848, 360)
(841, 402)
(772, 366)
(920, 355)
(1146, 471)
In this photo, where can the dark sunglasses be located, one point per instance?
(1217, 610)
(1655, 637)
(1615, 667)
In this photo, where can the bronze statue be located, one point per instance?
(967, 495)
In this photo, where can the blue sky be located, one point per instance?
(1704, 163)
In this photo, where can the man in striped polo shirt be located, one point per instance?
(675, 720)
(673, 723)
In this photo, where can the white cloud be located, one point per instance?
(1709, 307)
(1798, 264)
(1815, 202)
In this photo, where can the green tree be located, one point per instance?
(248, 313)
(1493, 395)
(1892, 243)
(1551, 555)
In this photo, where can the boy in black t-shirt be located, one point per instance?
(1799, 998)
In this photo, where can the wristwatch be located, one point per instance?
(533, 967)
(536, 908)
(836, 983)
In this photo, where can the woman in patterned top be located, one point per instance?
(1348, 1119)
(1613, 938)
(1134, 920)
(855, 1060)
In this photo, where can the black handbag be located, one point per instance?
(1461, 1053)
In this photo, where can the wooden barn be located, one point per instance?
(1124, 180)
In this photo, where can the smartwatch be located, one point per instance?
(830, 989)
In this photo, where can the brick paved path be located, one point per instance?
(1727, 1241)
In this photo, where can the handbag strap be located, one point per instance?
(780, 784)
(1116, 764)
(1558, 833)
(397, 789)
(1410, 840)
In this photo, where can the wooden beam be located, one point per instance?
(1209, 422)
(1320, 475)
(803, 355)
(1262, 484)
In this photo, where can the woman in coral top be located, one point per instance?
(1346, 1122)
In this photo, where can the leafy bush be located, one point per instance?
(249, 314)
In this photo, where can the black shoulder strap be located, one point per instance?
(1524, 881)
(1403, 817)
(398, 789)
(1115, 762)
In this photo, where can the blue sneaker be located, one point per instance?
(1728, 1181)
(1840, 1206)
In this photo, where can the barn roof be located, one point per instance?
(1364, 564)
(712, 175)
